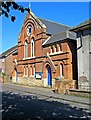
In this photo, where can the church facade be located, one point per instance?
(46, 51)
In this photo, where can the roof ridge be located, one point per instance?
(82, 23)
(55, 22)
(60, 32)
(85, 21)
(13, 47)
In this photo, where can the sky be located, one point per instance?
(68, 13)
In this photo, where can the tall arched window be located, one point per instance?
(26, 49)
(56, 47)
(32, 48)
(61, 70)
(32, 71)
(60, 48)
(52, 49)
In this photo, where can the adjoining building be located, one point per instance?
(83, 32)
(6, 63)
(46, 50)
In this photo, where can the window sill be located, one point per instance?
(56, 53)
(28, 58)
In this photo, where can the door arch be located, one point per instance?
(49, 75)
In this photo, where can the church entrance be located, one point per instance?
(49, 76)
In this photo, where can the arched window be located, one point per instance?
(32, 48)
(56, 48)
(32, 71)
(52, 49)
(61, 70)
(26, 49)
(60, 48)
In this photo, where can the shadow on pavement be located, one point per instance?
(28, 107)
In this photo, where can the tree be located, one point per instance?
(8, 5)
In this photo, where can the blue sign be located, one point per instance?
(38, 75)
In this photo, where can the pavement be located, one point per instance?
(48, 92)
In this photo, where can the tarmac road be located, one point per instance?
(21, 103)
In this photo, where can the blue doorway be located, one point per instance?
(49, 76)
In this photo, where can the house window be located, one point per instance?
(61, 70)
(26, 49)
(32, 48)
(60, 48)
(56, 48)
(32, 71)
(52, 49)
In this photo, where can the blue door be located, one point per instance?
(49, 76)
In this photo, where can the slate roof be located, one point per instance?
(53, 27)
(16, 52)
(9, 51)
(60, 37)
(85, 23)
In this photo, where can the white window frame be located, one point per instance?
(59, 47)
(61, 70)
(55, 47)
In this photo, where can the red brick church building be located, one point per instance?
(46, 50)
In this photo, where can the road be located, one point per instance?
(17, 104)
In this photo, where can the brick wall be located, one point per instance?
(41, 60)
